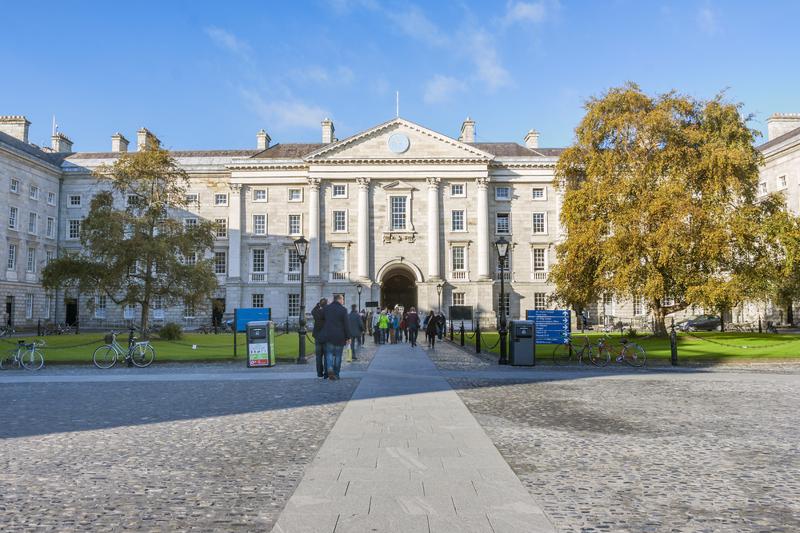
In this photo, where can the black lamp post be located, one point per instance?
(359, 288)
(301, 246)
(439, 288)
(502, 256)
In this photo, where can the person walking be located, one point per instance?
(364, 318)
(412, 323)
(319, 343)
(430, 329)
(336, 332)
(357, 329)
(441, 324)
(376, 332)
(383, 325)
(396, 317)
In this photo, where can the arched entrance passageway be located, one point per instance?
(398, 287)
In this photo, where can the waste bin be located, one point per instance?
(260, 343)
(522, 350)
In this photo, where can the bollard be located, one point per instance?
(461, 331)
(451, 331)
(286, 327)
(673, 345)
(478, 339)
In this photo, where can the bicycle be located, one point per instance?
(630, 353)
(563, 353)
(141, 354)
(25, 355)
(7, 330)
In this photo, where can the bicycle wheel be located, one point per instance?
(562, 354)
(599, 355)
(32, 360)
(634, 355)
(143, 356)
(105, 356)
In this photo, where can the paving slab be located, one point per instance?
(406, 444)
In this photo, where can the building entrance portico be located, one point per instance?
(398, 288)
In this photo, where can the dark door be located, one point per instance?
(399, 289)
(71, 311)
(9, 310)
(217, 310)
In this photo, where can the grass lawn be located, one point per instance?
(705, 347)
(79, 348)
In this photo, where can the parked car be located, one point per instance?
(705, 322)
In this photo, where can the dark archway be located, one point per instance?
(399, 288)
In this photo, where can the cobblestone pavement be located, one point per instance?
(158, 456)
(677, 452)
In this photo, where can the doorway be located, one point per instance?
(71, 311)
(217, 310)
(9, 311)
(399, 288)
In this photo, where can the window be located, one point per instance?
(190, 222)
(100, 304)
(33, 192)
(457, 190)
(48, 306)
(51, 227)
(293, 261)
(398, 212)
(13, 213)
(74, 200)
(258, 263)
(539, 193)
(457, 220)
(257, 300)
(293, 305)
(339, 221)
(502, 193)
(220, 262)
(762, 187)
(781, 182)
(638, 305)
(51, 198)
(74, 229)
(539, 264)
(540, 300)
(340, 191)
(31, 266)
(14, 186)
(188, 309)
(158, 308)
(49, 255)
(295, 195)
(32, 223)
(132, 200)
(260, 224)
(539, 224)
(505, 302)
(502, 223)
(221, 229)
(259, 195)
(295, 226)
(129, 312)
(458, 298)
(457, 256)
(338, 264)
(221, 199)
(192, 198)
(29, 305)
(12, 257)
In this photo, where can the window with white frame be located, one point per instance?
(33, 219)
(221, 228)
(638, 306)
(293, 305)
(457, 220)
(295, 224)
(49, 255)
(74, 200)
(457, 190)
(339, 191)
(539, 223)
(100, 305)
(259, 195)
(190, 222)
(505, 302)
(188, 309)
(257, 300)
(781, 182)
(51, 198)
(340, 221)
(192, 198)
(502, 193)
(295, 194)
(338, 263)
(30, 267)
(292, 261)
(74, 229)
(13, 216)
(33, 192)
(132, 200)
(539, 259)
(762, 187)
(540, 300)
(129, 312)
(459, 298)
(29, 305)
(258, 264)
(12, 257)
(220, 262)
(398, 212)
(221, 199)
(260, 224)
(158, 308)
(502, 223)
(14, 186)
(539, 193)
(458, 262)
(51, 227)
(189, 260)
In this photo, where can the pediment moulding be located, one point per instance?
(399, 186)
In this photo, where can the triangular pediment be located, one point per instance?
(399, 186)
(395, 140)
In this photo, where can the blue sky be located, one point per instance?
(205, 75)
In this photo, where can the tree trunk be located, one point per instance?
(659, 321)
(722, 319)
(790, 313)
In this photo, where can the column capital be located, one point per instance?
(236, 188)
(363, 183)
(314, 183)
(482, 182)
(433, 183)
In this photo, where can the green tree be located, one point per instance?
(135, 248)
(660, 203)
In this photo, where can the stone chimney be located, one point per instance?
(145, 140)
(467, 131)
(780, 123)
(262, 140)
(327, 131)
(16, 126)
(60, 143)
(119, 143)
(532, 139)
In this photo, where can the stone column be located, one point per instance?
(233, 285)
(483, 228)
(434, 223)
(363, 228)
(313, 227)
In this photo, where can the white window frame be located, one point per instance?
(497, 226)
(341, 195)
(50, 228)
(543, 304)
(544, 194)
(13, 186)
(257, 296)
(100, 305)
(29, 305)
(333, 220)
(406, 211)
(220, 199)
(192, 198)
(11, 263)
(158, 308)
(292, 276)
(507, 302)
(71, 197)
(33, 217)
(189, 310)
(13, 217)
(463, 220)
(540, 274)
(462, 194)
(190, 222)
(258, 275)
(781, 182)
(256, 193)
(49, 255)
(30, 264)
(458, 295)
(290, 305)
(289, 224)
(129, 312)
(255, 225)
(762, 187)
(339, 275)
(33, 192)
(458, 274)
(224, 263)
(544, 223)
(499, 198)
(289, 194)
(221, 223)
(51, 198)
(79, 222)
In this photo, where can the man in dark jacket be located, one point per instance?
(412, 323)
(356, 328)
(319, 343)
(336, 333)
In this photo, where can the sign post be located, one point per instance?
(553, 326)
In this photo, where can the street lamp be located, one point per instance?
(439, 288)
(359, 288)
(502, 255)
(301, 246)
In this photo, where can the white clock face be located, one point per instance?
(398, 143)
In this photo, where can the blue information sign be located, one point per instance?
(250, 314)
(552, 326)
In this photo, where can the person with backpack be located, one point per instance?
(383, 326)
(412, 326)
(431, 329)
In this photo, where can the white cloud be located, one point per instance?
(707, 21)
(522, 12)
(228, 41)
(414, 23)
(488, 67)
(442, 88)
(287, 113)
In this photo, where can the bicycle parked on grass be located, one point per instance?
(25, 355)
(139, 354)
(564, 353)
(630, 353)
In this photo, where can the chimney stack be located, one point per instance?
(780, 123)
(327, 131)
(262, 140)
(61, 143)
(16, 126)
(119, 143)
(532, 139)
(467, 131)
(145, 140)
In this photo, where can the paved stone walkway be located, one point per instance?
(407, 456)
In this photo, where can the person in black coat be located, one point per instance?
(336, 334)
(356, 328)
(319, 344)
